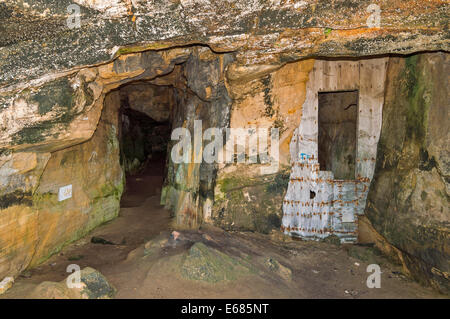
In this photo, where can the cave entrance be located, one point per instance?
(338, 116)
(145, 131)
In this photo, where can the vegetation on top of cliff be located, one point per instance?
(210, 265)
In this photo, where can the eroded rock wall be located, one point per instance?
(54, 119)
(408, 201)
(54, 81)
(263, 97)
(52, 134)
(189, 187)
(261, 31)
(39, 223)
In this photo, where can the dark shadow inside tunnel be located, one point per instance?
(144, 136)
(338, 116)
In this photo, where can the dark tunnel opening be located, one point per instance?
(144, 138)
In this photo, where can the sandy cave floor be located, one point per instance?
(308, 269)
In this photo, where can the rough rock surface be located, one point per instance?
(47, 143)
(233, 62)
(245, 200)
(36, 39)
(189, 187)
(408, 201)
(35, 223)
(93, 286)
(207, 264)
(154, 101)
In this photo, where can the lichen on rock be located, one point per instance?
(207, 264)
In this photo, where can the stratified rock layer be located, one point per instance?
(36, 40)
(37, 223)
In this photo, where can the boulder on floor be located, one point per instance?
(93, 285)
(204, 263)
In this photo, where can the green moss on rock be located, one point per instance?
(252, 203)
(408, 202)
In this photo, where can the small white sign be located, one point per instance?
(64, 193)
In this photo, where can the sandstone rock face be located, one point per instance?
(5, 284)
(58, 149)
(204, 263)
(408, 201)
(246, 200)
(189, 187)
(263, 97)
(40, 223)
(65, 111)
(269, 97)
(262, 31)
(154, 101)
(19, 176)
(233, 63)
(93, 169)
